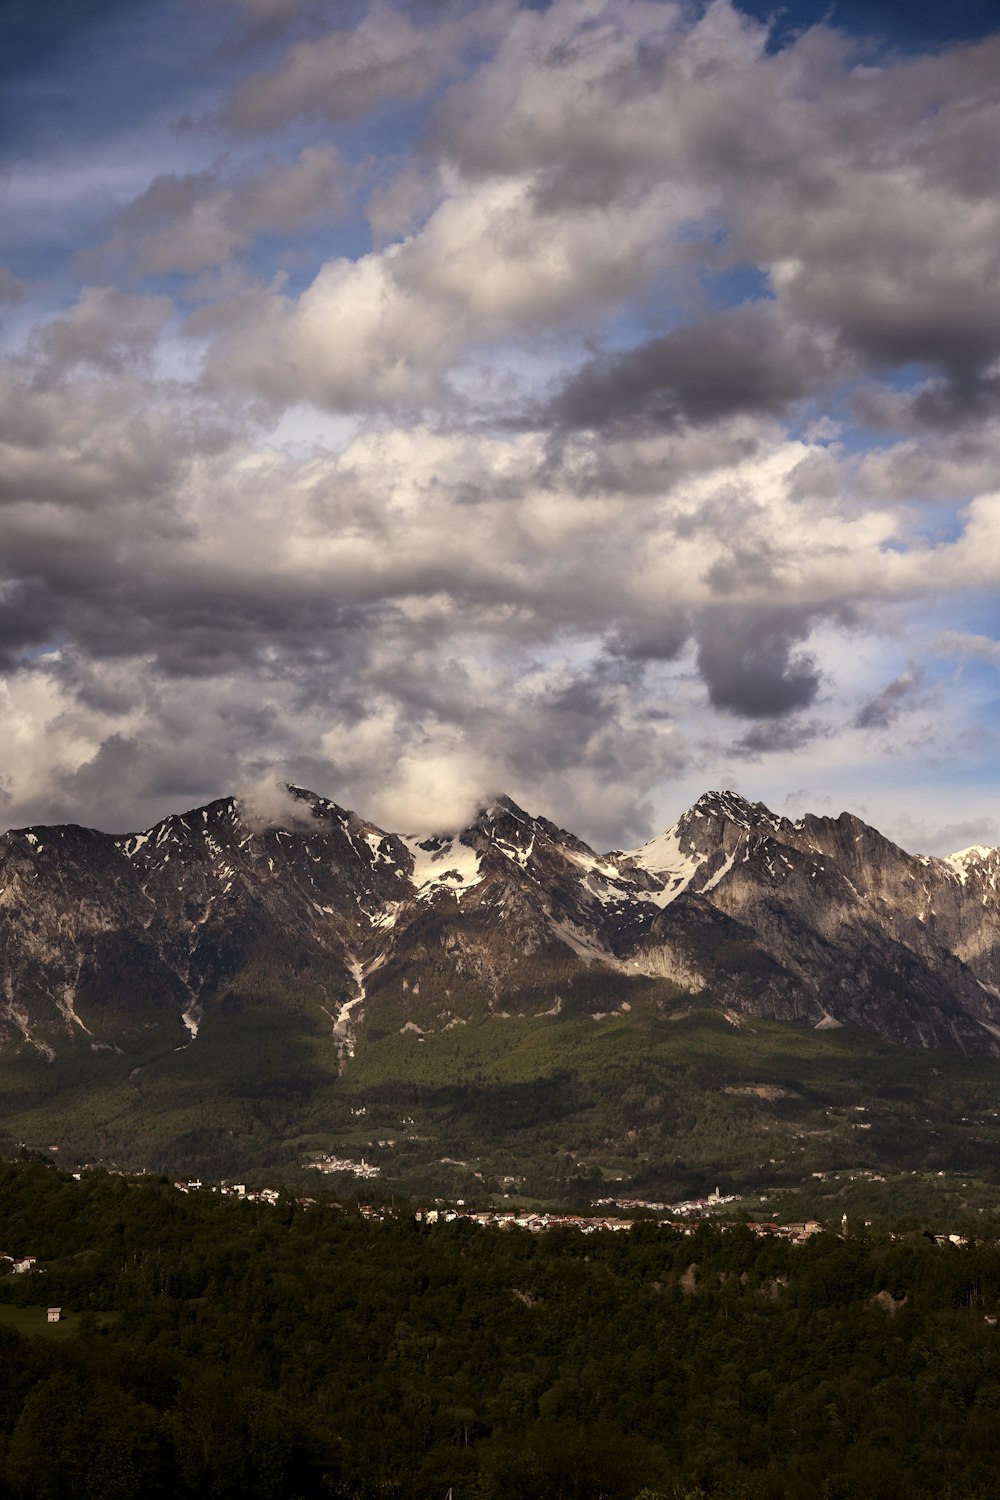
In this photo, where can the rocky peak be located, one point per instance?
(501, 821)
(819, 919)
(716, 812)
(725, 805)
(977, 862)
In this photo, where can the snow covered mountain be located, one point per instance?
(108, 942)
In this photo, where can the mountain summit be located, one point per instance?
(108, 941)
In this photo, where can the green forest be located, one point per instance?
(219, 1348)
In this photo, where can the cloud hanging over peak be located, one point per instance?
(269, 802)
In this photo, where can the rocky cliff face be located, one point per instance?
(105, 940)
(857, 930)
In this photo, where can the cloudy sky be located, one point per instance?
(597, 400)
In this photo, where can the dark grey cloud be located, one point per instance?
(968, 398)
(29, 619)
(881, 711)
(957, 404)
(186, 629)
(750, 664)
(662, 639)
(777, 736)
(743, 360)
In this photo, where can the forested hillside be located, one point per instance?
(216, 1348)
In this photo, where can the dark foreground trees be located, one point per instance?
(216, 1349)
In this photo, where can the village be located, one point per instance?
(685, 1216)
(537, 1223)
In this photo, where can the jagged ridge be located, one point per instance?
(108, 940)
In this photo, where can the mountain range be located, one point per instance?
(108, 943)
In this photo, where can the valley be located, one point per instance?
(558, 1111)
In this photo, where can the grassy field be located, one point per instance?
(34, 1321)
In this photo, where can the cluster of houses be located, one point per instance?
(797, 1233)
(231, 1190)
(346, 1164)
(863, 1174)
(267, 1195)
(682, 1210)
(534, 1223)
(19, 1264)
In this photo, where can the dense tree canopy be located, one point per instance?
(220, 1348)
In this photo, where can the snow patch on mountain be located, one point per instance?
(518, 853)
(601, 877)
(967, 860)
(345, 1022)
(723, 871)
(670, 862)
(442, 864)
